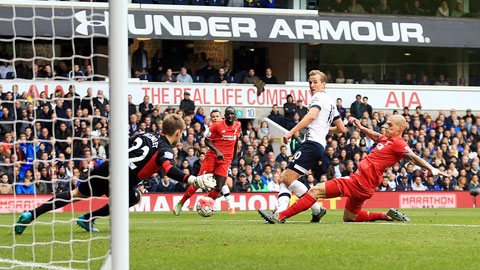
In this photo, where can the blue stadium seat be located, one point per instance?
(146, 77)
(143, 1)
(311, 4)
(181, 2)
(230, 79)
(10, 75)
(198, 2)
(211, 79)
(163, 2)
(198, 79)
(217, 3)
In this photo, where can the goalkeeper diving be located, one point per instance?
(148, 154)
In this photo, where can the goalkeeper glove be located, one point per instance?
(205, 182)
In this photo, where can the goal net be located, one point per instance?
(53, 130)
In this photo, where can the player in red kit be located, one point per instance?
(222, 139)
(360, 186)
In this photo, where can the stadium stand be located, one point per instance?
(451, 142)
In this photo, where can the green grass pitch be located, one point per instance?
(435, 239)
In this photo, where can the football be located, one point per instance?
(205, 207)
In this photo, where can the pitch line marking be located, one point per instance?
(326, 223)
(32, 264)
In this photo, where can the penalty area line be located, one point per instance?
(36, 265)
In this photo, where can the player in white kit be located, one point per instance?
(322, 112)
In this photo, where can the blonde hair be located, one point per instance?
(322, 75)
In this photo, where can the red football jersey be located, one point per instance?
(224, 137)
(387, 152)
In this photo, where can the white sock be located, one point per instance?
(226, 195)
(300, 189)
(283, 198)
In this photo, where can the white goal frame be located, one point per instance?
(118, 76)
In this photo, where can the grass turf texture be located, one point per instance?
(243, 241)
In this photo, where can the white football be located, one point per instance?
(205, 207)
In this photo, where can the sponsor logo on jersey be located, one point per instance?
(168, 155)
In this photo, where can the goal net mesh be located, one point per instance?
(53, 130)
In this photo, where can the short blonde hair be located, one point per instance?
(322, 75)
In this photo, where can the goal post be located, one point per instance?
(118, 73)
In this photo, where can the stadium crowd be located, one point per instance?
(49, 144)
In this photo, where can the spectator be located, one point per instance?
(408, 80)
(458, 11)
(338, 6)
(366, 108)
(76, 74)
(5, 68)
(269, 78)
(354, 7)
(404, 185)
(443, 10)
(168, 76)
(158, 65)
(447, 184)
(462, 184)
(251, 77)
(302, 110)
(473, 183)
(236, 3)
(5, 186)
(283, 154)
(369, 79)
(336, 169)
(208, 71)
(431, 184)
(200, 116)
(289, 109)
(23, 71)
(383, 8)
(441, 80)
(275, 116)
(267, 175)
(183, 77)
(384, 187)
(310, 181)
(417, 185)
(132, 108)
(139, 60)
(274, 186)
(25, 187)
(342, 111)
(220, 77)
(100, 102)
(416, 10)
(226, 64)
(145, 107)
(257, 185)
(264, 131)
(341, 77)
(294, 122)
(268, 4)
(186, 104)
(356, 109)
(242, 185)
(166, 185)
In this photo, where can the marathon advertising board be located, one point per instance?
(238, 24)
(165, 202)
(380, 97)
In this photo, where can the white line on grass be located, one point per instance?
(36, 265)
(298, 221)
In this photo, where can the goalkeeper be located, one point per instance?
(148, 154)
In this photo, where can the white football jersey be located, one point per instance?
(318, 128)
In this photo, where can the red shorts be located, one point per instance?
(211, 164)
(351, 188)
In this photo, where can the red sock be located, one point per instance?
(189, 193)
(370, 216)
(300, 205)
(213, 194)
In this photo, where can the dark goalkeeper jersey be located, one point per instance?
(149, 153)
